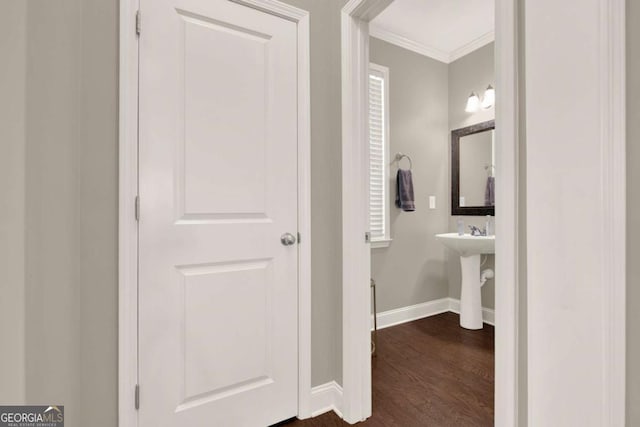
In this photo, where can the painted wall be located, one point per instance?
(412, 269)
(71, 200)
(471, 73)
(633, 213)
(68, 49)
(12, 200)
(326, 188)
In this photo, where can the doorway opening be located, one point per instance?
(362, 19)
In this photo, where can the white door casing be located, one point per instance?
(576, 226)
(218, 161)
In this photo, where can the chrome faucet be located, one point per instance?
(475, 231)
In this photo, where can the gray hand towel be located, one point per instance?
(489, 192)
(404, 191)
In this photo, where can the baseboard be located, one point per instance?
(488, 314)
(326, 397)
(427, 309)
(411, 313)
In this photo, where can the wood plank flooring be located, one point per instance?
(430, 372)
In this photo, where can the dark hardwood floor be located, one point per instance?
(430, 372)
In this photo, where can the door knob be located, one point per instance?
(287, 239)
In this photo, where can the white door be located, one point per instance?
(218, 187)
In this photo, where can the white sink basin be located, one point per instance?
(468, 245)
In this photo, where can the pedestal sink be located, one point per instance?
(469, 248)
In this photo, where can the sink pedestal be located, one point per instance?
(470, 299)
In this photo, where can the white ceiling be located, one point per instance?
(443, 29)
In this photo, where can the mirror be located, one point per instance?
(473, 170)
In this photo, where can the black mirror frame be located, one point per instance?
(456, 134)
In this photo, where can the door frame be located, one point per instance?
(128, 190)
(511, 254)
(356, 265)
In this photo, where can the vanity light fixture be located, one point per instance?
(488, 100)
(489, 97)
(473, 103)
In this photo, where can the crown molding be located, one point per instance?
(422, 49)
(429, 51)
(471, 46)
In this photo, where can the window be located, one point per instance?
(379, 156)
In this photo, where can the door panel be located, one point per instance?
(218, 187)
(213, 294)
(210, 126)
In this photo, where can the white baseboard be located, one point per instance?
(326, 397)
(488, 314)
(411, 313)
(427, 309)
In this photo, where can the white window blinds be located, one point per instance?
(378, 154)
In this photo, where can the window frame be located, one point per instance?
(380, 71)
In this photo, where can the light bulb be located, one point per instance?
(473, 103)
(489, 97)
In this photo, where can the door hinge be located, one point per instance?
(367, 237)
(137, 208)
(137, 397)
(138, 22)
(298, 237)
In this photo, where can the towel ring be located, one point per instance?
(400, 156)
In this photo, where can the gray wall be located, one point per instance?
(633, 213)
(472, 72)
(67, 163)
(12, 199)
(326, 188)
(412, 269)
(71, 202)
